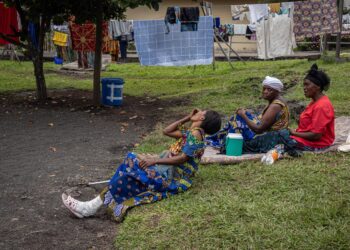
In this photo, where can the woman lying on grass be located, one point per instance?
(141, 181)
(274, 117)
(315, 131)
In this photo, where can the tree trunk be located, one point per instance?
(40, 78)
(38, 62)
(98, 55)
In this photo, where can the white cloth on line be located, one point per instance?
(239, 29)
(258, 11)
(275, 37)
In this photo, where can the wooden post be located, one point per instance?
(338, 45)
(325, 45)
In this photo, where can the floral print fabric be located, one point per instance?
(132, 186)
(237, 124)
(315, 17)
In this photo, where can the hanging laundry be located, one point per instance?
(275, 37)
(239, 12)
(60, 38)
(249, 33)
(8, 22)
(346, 24)
(177, 48)
(117, 28)
(84, 37)
(62, 28)
(170, 15)
(191, 26)
(239, 29)
(189, 14)
(257, 11)
(330, 23)
(114, 49)
(287, 8)
(217, 22)
(33, 33)
(315, 17)
(230, 29)
(275, 7)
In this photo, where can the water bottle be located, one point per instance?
(273, 155)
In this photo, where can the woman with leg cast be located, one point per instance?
(142, 180)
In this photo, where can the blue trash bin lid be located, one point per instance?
(117, 81)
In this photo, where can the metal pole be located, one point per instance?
(228, 45)
(223, 51)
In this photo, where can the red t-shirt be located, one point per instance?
(318, 117)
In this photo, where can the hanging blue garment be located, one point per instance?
(217, 22)
(33, 33)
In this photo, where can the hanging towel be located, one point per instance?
(60, 38)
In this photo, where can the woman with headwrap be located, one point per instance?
(274, 117)
(315, 131)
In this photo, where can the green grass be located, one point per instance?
(290, 205)
(299, 203)
(223, 89)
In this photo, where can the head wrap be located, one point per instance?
(273, 83)
(318, 77)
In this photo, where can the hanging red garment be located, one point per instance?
(105, 38)
(83, 37)
(8, 19)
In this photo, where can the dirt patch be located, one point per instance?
(77, 74)
(61, 145)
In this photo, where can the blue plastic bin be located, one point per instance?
(112, 91)
(58, 60)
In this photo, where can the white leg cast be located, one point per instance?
(82, 209)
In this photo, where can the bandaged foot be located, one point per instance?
(82, 209)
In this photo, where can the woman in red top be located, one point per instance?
(316, 125)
